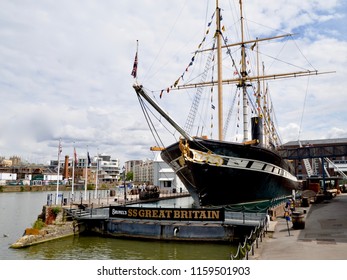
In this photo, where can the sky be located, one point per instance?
(65, 70)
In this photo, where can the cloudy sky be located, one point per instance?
(65, 69)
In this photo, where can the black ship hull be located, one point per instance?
(224, 173)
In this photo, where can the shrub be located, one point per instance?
(52, 213)
(39, 224)
(56, 210)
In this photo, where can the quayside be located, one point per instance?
(194, 224)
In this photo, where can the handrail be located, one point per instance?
(243, 250)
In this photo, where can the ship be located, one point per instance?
(218, 172)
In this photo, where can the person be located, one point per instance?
(267, 221)
(287, 209)
(292, 205)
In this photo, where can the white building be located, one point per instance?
(165, 177)
(8, 176)
(108, 169)
(52, 177)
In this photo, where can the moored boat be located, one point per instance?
(219, 172)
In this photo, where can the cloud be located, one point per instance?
(65, 70)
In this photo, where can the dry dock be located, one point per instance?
(323, 238)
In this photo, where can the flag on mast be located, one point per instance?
(134, 71)
(75, 155)
(89, 161)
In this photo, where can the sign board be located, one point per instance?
(178, 214)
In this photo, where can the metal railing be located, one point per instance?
(251, 242)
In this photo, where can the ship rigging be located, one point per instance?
(218, 172)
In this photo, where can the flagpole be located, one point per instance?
(86, 176)
(96, 174)
(59, 152)
(73, 171)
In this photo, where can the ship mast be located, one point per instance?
(220, 78)
(242, 82)
(243, 79)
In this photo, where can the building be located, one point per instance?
(130, 165)
(7, 178)
(102, 169)
(143, 172)
(107, 168)
(319, 166)
(155, 172)
(12, 161)
(164, 176)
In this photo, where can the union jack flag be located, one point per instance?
(134, 72)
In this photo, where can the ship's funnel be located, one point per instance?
(257, 130)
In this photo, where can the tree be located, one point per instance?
(129, 176)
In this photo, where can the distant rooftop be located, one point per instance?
(317, 142)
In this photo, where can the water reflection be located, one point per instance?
(99, 248)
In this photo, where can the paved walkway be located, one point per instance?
(323, 238)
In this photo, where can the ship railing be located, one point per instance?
(77, 213)
(107, 197)
(251, 242)
(257, 207)
(244, 216)
(99, 212)
(91, 212)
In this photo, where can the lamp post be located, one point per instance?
(125, 187)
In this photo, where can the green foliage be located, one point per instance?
(39, 224)
(56, 210)
(129, 176)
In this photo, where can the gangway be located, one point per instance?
(324, 167)
(307, 164)
(344, 176)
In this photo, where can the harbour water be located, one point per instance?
(20, 210)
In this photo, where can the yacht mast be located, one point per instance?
(220, 78)
(243, 79)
